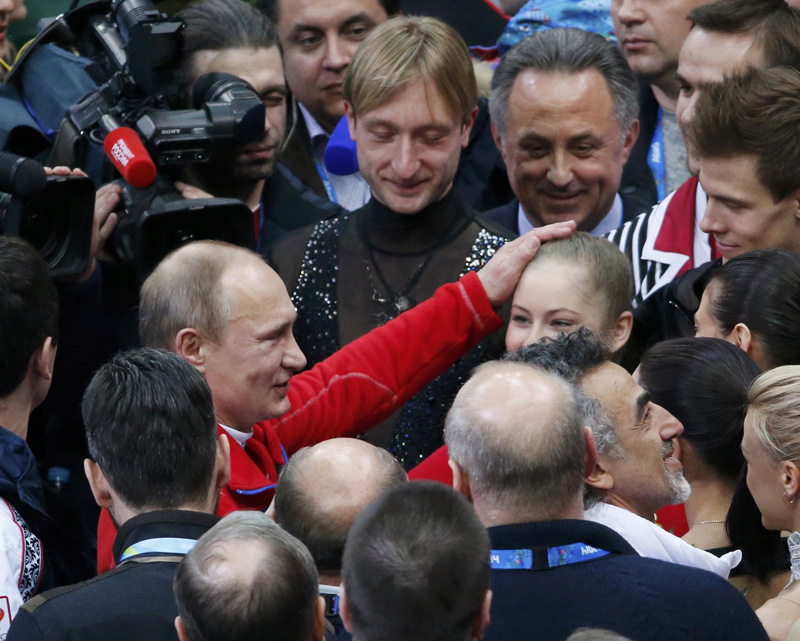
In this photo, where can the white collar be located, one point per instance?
(240, 437)
(612, 220)
(314, 128)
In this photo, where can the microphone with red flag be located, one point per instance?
(125, 149)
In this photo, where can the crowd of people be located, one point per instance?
(528, 369)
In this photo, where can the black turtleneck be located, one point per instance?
(365, 268)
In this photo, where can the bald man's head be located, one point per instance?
(186, 290)
(324, 488)
(244, 576)
(221, 308)
(516, 432)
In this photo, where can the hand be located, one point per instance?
(500, 275)
(190, 192)
(105, 220)
(105, 202)
(64, 171)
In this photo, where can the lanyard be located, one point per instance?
(326, 181)
(164, 545)
(656, 159)
(544, 558)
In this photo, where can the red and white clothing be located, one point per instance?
(349, 392)
(667, 241)
(20, 564)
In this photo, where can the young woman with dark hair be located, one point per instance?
(703, 382)
(753, 301)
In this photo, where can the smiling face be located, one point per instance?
(563, 147)
(552, 298)
(649, 475)
(650, 34)
(741, 212)
(705, 58)
(263, 70)
(409, 147)
(319, 38)
(248, 368)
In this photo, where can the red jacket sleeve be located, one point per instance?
(365, 381)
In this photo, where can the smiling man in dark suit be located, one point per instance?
(563, 106)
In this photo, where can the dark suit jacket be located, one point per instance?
(506, 216)
(643, 599)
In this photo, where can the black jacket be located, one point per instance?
(131, 602)
(643, 599)
(506, 216)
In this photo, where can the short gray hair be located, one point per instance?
(566, 51)
(276, 592)
(506, 472)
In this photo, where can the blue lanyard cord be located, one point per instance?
(656, 158)
(544, 558)
(326, 181)
(165, 545)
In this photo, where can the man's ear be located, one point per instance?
(189, 346)
(344, 610)
(460, 480)
(318, 631)
(180, 629)
(98, 484)
(600, 477)
(44, 359)
(630, 140)
(483, 619)
(622, 330)
(222, 468)
(741, 337)
(351, 120)
(466, 128)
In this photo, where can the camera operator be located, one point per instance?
(232, 37)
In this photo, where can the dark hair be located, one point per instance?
(217, 25)
(301, 510)
(763, 551)
(566, 51)
(756, 112)
(270, 8)
(571, 356)
(774, 25)
(247, 579)
(416, 566)
(28, 309)
(151, 429)
(703, 382)
(761, 289)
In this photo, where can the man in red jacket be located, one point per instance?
(227, 313)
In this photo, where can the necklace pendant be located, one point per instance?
(401, 303)
(381, 300)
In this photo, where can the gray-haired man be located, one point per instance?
(563, 105)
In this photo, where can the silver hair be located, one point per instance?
(534, 471)
(566, 51)
(606, 441)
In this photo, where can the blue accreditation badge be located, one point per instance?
(511, 559)
(544, 558)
